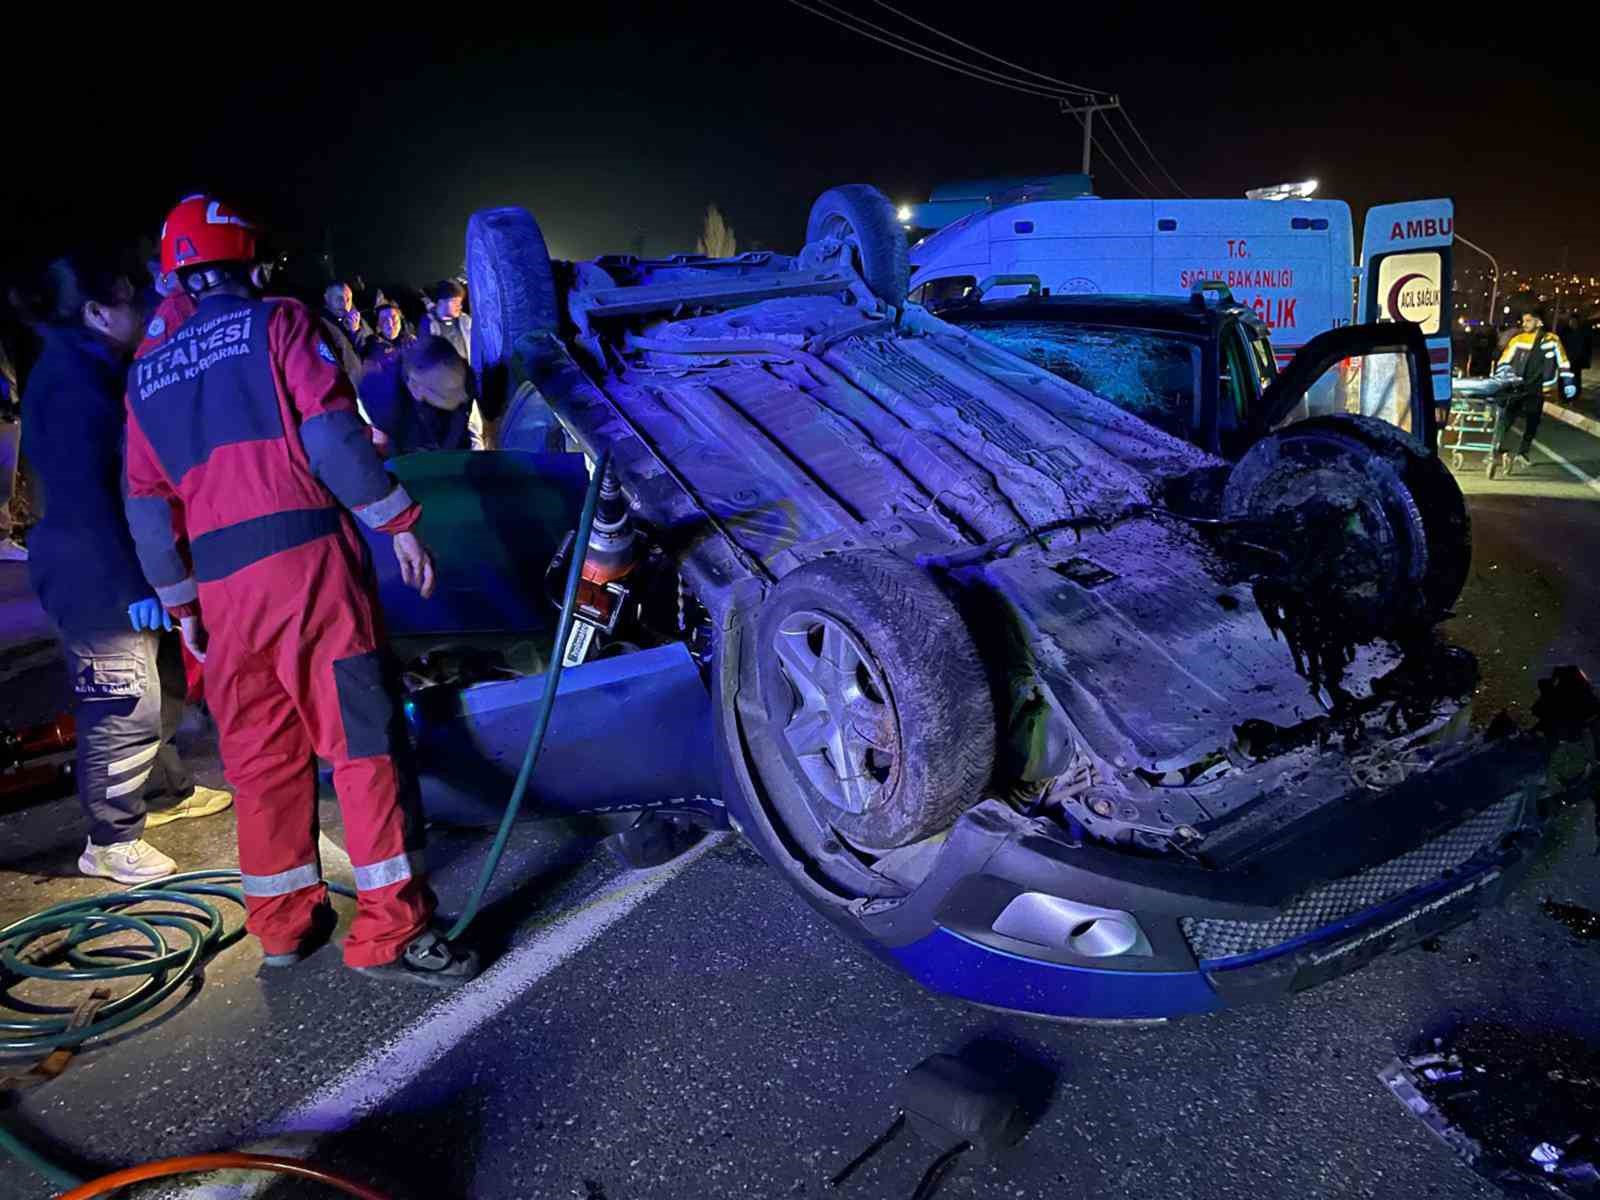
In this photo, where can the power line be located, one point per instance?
(847, 20)
(1123, 146)
(1112, 163)
(1159, 164)
(1132, 158)
(926, 54)
(991, 57)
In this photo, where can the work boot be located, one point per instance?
(11, 552)
(323, 922)
(1505, 462)
(203, 802)
(1522, 462)
(126, 862)
(429, 960)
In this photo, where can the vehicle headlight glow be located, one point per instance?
(903, 213)
(1283, 191)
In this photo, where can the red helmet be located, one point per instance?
(202, 230)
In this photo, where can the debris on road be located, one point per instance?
(1521, 1108)
(1583, 923)
(962, 1106)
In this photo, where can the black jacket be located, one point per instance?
(410, 423)
(80, 555)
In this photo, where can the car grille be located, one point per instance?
(1210, 938)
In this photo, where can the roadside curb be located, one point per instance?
(1573, 418)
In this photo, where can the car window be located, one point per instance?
(1374, 385)
(943, 291)
(1152, 375)
(1236, 393)
(1266, 363)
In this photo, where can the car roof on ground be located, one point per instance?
(1174, 314)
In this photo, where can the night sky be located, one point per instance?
(618, 125)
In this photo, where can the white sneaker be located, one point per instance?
(126, 862)
(11, 552)
(203, 802)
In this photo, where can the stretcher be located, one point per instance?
(1474, 415)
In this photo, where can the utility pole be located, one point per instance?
(1494, 286)
(1085, 113)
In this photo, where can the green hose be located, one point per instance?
(54, 945)
(36, 1162)
(547, 702)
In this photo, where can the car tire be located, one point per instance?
(863, 218)
(1413, 486)
(862, 660)
(513, 294)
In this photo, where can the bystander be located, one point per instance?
(423, 399)
(123, 662)
(446, 318)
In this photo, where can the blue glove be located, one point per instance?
(149, 614)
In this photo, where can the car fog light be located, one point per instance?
(1065, 924)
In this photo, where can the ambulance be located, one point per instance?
(1292, 260)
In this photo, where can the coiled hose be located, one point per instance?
(54, 944)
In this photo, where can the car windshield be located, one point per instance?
(1154, 376)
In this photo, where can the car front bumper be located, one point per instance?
(1209, 941)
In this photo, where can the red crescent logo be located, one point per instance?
(1393, 302)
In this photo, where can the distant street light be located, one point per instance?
(1494, 285)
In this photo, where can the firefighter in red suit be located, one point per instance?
(243, 438)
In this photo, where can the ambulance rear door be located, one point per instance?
(1406, 275)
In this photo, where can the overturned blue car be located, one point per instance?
(1048, 708)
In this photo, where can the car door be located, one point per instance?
(1378, 370)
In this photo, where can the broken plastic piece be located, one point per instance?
(955, 1107)
(1521, 1108)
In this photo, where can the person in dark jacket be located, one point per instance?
(349, 329)
(389, 334)
(421, 398)
(123, 663)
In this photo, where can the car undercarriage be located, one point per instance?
(991, 665)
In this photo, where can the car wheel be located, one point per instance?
(874, 712)
(1414, 515)
(861, 217)
(513, 294)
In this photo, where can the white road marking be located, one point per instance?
(367, 1085)
(1589, 481)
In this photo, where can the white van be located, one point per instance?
(1292, 261)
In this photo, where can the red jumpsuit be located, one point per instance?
(243, 437)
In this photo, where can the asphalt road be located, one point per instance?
(697, 1032)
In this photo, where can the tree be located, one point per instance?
(716, 238)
